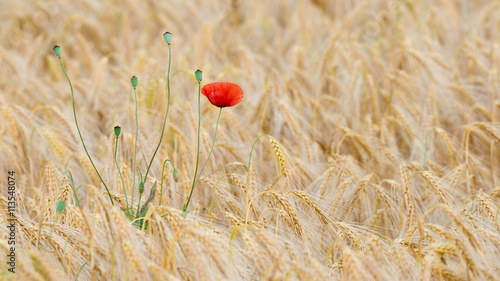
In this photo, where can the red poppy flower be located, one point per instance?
(223, 94)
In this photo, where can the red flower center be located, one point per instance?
(223, 94)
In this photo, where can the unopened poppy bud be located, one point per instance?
(57, 51)
(117, 130)
(175, 175)
(134, 81)
(60, 206)
(198, 75)
(168, 37)
(141, 188)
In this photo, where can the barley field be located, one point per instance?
(372, 128)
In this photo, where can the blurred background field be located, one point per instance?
(381, 160)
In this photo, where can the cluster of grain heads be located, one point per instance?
(383, 163)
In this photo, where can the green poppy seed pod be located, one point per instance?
(198, 75)
(168, 37)
(175, 175)
(57, 51)
(60, 206)
(141, 188)
(134, 81)
(117, 130)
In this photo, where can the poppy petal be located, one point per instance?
(223, 94)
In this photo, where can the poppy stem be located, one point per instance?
(210, 153)
(141, 185)
(80, 134)
(166, 114)
(121, 176)
(135, 147)
(184, 208)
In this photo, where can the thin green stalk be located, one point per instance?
(166, 114)
(141, 185)
(212, 204)
(211, 149)
(135, 146)
(80, 270)
(161, 182)
(184, 209)
(77, 201)
(80, 134)
(121, 176)
(251, 150)
(247, 202)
